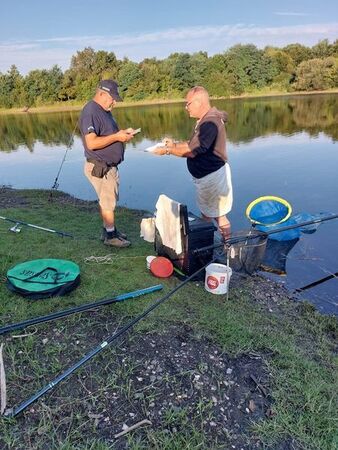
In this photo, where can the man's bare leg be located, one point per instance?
(223, 223)
(224, 226)
(108, 218)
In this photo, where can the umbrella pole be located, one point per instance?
(77, 309)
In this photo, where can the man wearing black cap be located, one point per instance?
(103, 142)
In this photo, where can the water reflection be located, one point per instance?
(248, 119)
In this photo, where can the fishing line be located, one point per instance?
(109, 259)
(69, 146)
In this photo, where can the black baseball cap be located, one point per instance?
(111, 87)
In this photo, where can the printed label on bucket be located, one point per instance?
(212, 282)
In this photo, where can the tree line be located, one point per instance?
(240, 69)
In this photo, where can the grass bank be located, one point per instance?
(75, 106)
(256, 371)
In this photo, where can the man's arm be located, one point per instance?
(206, 137)
(180, 149)
(94, 142)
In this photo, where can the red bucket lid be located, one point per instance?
(161, 267)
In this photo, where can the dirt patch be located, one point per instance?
(12, 198)
(181, 384)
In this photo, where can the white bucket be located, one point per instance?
(149, 259)
(217, 278)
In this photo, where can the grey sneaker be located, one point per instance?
(119, 234)
(114, 240)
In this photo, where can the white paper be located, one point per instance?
(154, 147)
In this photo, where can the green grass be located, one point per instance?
(296, 343)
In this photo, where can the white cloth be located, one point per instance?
(214, 192)
(147, 231)
(168, 222)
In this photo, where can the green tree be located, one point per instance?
(298, 52)
(35, 85)
(247, 68)
(199, 67)
(86, 69)
(322, 50)
(215, 77)
(11, 88)
(182, 73)
(68, 89)
(335, 48)
(317, 74)
(106, 65)
(129, 78)
(282, 67)
(43, 86)
(83, 63)
(150, 82)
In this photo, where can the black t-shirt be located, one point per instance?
(94, 119)
(205, 161)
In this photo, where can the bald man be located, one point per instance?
(207, 158)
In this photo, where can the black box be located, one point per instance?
(195, 233)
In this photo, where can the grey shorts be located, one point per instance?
(106, 188)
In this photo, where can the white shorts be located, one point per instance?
(214, 192)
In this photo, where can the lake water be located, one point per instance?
(283, 146)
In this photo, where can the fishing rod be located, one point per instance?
(15, 411)
(77, 309)
(16, 229)
(19, 222)
(317, 282)
(237, 239)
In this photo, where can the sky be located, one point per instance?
(37, 34)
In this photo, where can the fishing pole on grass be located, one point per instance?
(15, 229)
(56, 183)
(237, 239)
(78, 309)
(15, 411)
(317, 282)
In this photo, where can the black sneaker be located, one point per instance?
(119, 234)
(114, 240)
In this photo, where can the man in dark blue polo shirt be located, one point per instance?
(103, 142)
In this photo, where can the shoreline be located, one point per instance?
(78, 107)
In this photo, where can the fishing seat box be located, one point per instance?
(195, 233)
